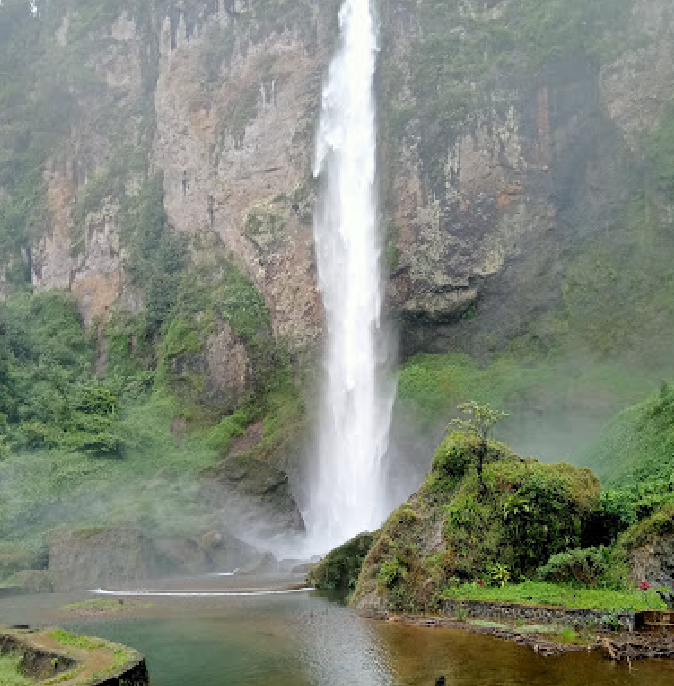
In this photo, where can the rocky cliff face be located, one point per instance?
(520, 186)
(495, 182)
(498, 162)
(218, 97)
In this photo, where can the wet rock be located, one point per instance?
(226, 552)
(257, 496)
(95, 557)
(31, 581)
(265, 564)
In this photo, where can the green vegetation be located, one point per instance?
(508, 529)
(580, 565)
(67, 638)
(501, 526)
(107, 605)
(10, 674)
(637, 447)
(340, 568)
(48, 398)
(559, 595)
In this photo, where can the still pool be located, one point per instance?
(307, 639)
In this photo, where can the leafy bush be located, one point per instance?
(390, 572)
(580, 565)
(339, 569)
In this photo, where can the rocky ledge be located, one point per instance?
(52, 656)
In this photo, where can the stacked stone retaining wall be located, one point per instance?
(542, 614)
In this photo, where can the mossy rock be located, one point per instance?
(340, 568)
(15, 557)
(30, 581)
(645, 552)
(460, 525)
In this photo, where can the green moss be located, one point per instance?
(220, 436)
(107, 605)
(263, 221)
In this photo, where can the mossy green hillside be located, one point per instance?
(636, 448)
(457, 525)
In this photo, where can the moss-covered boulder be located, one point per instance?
(340, 568)
(647, 550)
(460, 526)
(30, 581)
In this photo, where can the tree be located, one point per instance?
(478, 421)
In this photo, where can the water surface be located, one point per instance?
(307, 639)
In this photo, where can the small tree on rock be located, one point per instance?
(478, 421)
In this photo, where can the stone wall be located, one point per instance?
(538, 613)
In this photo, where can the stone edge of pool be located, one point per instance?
(618, 645)
(48, 662)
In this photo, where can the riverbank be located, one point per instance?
(549, 639)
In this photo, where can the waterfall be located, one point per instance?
(348, 491)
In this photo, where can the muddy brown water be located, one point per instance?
(310, 639)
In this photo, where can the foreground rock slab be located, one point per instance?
(51, 656)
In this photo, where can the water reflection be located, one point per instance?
(340, 649)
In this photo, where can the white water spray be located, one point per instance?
(348, 493)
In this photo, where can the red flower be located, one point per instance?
(644, 586)
(482, 583)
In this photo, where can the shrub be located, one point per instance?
(582, 565)
(390, 572)
(340, 568)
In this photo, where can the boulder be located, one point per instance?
(106, 556)
(648, 548)
(226, 552)
(14, 557)
(264, 564)
(30, 581)
(182, 556)
(257, 496)
(100, 556)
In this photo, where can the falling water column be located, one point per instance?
(348, 490)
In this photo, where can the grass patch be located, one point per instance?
(559, 595)
(66, 638)
(108, 605)
(9, 672)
